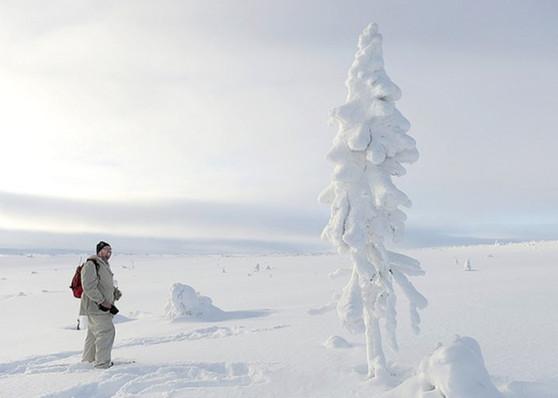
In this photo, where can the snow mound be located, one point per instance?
(456, 371)
(337, 342)
(186, 303)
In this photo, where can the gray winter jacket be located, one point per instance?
(98, 286)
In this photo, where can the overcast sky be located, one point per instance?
(209, 120)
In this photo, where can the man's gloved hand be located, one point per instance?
(117, 294)
(113, 310)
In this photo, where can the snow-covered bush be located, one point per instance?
(370, 147)
(455, 371)
(185, 303)
(336, 342)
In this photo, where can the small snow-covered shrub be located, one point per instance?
(454, 371)
(337, 342)
(185, 302)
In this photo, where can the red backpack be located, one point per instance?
(77, 288)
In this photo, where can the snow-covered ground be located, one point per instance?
(275, 332)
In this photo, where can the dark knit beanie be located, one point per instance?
(101, 245)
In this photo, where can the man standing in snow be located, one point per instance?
(97, 303)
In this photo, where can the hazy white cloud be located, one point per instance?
(176, 219)
(227, 102)
(58, 225)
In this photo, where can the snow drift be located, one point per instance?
(455, 371)
(336, 342)
(186, 303)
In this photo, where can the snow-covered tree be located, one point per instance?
(370, 147)
(467, 266)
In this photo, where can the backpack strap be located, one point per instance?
(97, 265)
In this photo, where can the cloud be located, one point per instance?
(134, 105)
(163, 218)
(57, 225)
(23, 242)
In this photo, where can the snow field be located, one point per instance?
(274, 340)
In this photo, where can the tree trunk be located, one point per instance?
(374, 352)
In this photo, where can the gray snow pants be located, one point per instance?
(99, 340)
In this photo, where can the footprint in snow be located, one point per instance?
(35, 364)
(51, 363)
(135, 380)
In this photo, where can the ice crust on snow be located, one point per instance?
(454, 371)
(185, 303)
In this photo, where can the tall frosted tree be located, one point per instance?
(369, 149)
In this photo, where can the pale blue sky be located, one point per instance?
(208, 120)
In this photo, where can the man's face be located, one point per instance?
(105, 252)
